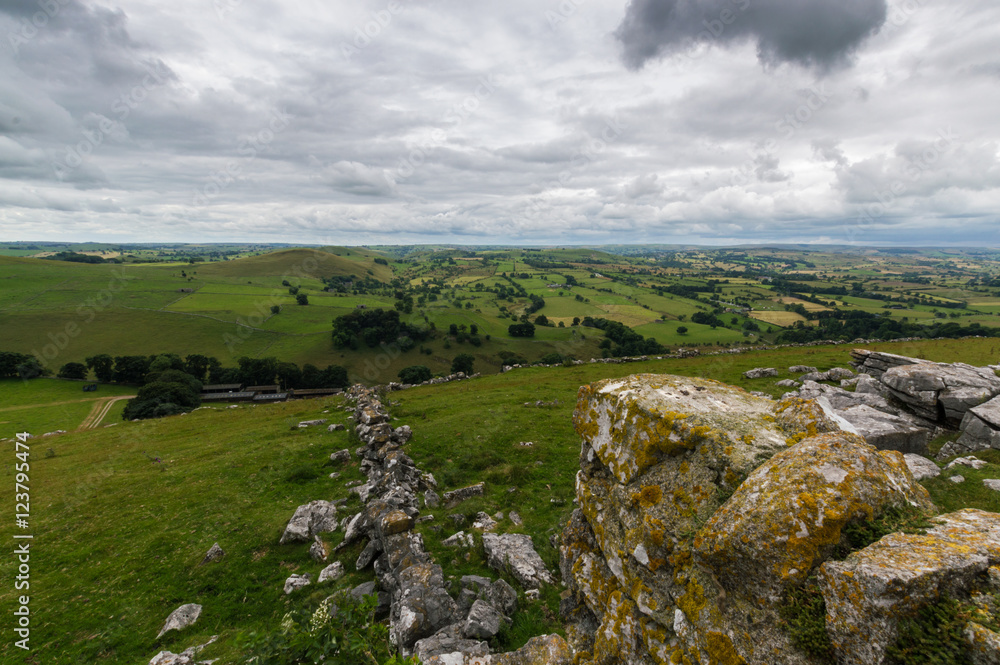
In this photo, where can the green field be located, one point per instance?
(122, 516)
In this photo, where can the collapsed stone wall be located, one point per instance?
(701, 506)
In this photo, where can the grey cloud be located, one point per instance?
(820, 33)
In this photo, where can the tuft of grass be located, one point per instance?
(859, 535)
(803, 613)
(933, 636)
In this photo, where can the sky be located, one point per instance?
(356, 122)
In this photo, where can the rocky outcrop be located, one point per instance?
(760, 373)
(661, 566)
(980, 430)
(876, 363)
(514, 553)
(898, 575)
(941, 392)
(186, 657)
(310, 520)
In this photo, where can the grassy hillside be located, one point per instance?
(122, 516)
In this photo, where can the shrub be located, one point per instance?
(73, 371)
(463, 362)
(414, 374)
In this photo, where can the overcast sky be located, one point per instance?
(516, 122)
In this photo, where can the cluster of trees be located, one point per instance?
(374, 327)
(526, 329)
(20, 366)
(80, 258)
(620, 340)
(846, 326)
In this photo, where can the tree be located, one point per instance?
(103, 366)
(258, 371)
(275, 309)
(463, 362)
(197, 365)
(73, 371)
(289, 375)
(131, 369)
(474, 329)
(414, 374)
(541, 320)
(576, 320)
(161, 398)
(682, 330)
(302, 299)
(525, 329)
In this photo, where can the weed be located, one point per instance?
(804, 616)
(933, 636)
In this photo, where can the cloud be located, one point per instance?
(813, 33)
(358, 179)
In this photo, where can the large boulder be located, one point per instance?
(788, 515)
(868, 593)
(181, 618)
(942, 392)
(980, 430)
(876, 363)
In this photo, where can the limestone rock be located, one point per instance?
(788, 514)
(984, 644)
(312, 423)
(958, 480)
(295, 582)
(483, 622)
(341, 456)
(921, 467)
(515, 553)
(942, 392)
(544, 650)
(336, 427)
(455, 497)
(802, 369)
(214, 554)
(839, 374)
(449, 647)
(460, 539)
(992, 483)
(980, 430)
(898, 575)
(971, 461)
(760, 373)
(181, 618)
(875, 363)
(331, 573)
(424, 606)
(431, 499)
(186, 657)
(788, 383)
(318, 550)
(515, 517)
(484, 522)
(310, 519)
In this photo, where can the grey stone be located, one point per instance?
(515, 553)
(900, 574)
(312, 423)
(295, 582)
(308, 520)
(336, 427)
(760, 373)
(341, 456)
(802, 369)
(484, 522)
(367, 555)
(431, 499)
(460, 539)
(983, 645)
(957, 479)
(992, 483)
(331, 573)
(455, 497)
(186, 657)
(364, 589)
(503, 597)
(483, 622)
(839, 374)
(970, 461)
(942, 392)
(788, 383)
(921, 467)
(449, 647)
(181, 618)
(886, 431)
(424, 606)
(214, 553)
(318, 550)
(516, 518)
